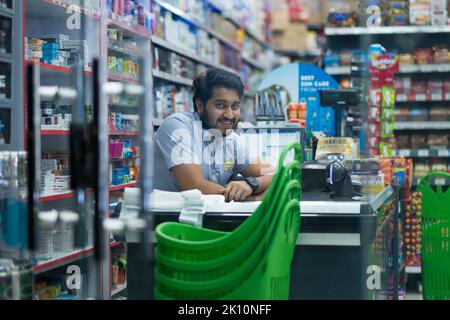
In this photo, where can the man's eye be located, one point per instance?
(235, 106)
(220, 105)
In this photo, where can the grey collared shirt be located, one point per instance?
(182, 140)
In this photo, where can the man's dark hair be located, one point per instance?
(214, 77)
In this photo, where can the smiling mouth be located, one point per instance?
(227, 124)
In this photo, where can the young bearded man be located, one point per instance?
(201, 150)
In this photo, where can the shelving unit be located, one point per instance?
(46, 266)
(34, 19)
(416, 37)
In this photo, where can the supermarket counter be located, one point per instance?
(333, 247)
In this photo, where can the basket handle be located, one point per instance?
(298, 152)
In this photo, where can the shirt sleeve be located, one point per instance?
(175, 139)
(245, 154)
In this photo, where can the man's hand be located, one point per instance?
(237, 191)
(258, 197)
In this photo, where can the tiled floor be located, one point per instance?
(413, 296)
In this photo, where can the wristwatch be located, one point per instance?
(253, 183)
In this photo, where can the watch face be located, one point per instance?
(253, 183)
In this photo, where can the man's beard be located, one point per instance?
(207, 125)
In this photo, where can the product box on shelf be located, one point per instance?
(419, 12)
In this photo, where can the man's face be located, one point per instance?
(222, 111)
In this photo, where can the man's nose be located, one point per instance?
(228, 113)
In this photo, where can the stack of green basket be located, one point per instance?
(252, 262)
(435, 238)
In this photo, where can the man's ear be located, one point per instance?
(199, 105)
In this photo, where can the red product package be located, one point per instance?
(423, 56)
(419, 86)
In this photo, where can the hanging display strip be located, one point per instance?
(420, 97)
(422, 125)
(422, 153)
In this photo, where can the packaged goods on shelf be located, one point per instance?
(55, 176)
(117, 40)
(123, 175)
(419, 12)
(2, 86)
(132, 12)
(170, 99)
(413, 230)
(123, 67)
(123, 122)
(55, 117)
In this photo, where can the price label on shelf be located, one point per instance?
(427, 68)
(436, 97)
(421, 97)
(439, 181)
(423, 153)
(408, 68)
(403, 152)
(442, 153)
(402, 97)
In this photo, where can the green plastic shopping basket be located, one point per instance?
(203, 277)
(268, 278)
(435, 238)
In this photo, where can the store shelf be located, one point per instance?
(171, 78)
(238, 24)
(167, 45)
(123, 133)
(115, 244)
(123, 105)
(253, 62)
(335, 71)
(386, 30)
(194, 22)
(6, 12)
(422, 153)
(125, 52)
(139, 31)
(121, 78)
(55, 69)
(413, 68)
(433, 181)
(122, 186)
(56, 9)
(422, 125)
(413, 269)
(300, 53)
(6, 56)
(60, 261)
(55, 132)
(422, 97)
(121, 159)
(56, 196)
(5, 101)
(424, 68)
(118, 289)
